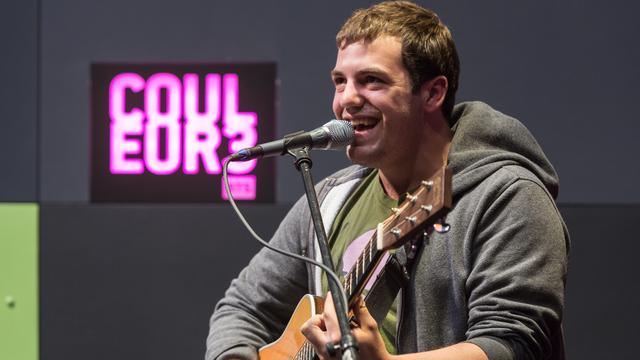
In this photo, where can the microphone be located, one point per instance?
(334, 135)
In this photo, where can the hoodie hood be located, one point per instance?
(485, 140)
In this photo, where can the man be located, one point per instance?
(490, 288)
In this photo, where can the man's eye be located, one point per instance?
(338, 81)
(372, 79)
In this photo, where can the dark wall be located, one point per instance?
(142, 280)
(566, 69)
(18, 101)
(601, 305)
(138, 282)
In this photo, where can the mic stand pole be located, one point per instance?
(303, 164)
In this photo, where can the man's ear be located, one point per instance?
(433, 93)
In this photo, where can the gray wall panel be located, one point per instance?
(18, 101)
(566, 69)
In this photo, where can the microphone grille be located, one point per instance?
(340, 132)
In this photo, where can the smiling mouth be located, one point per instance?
(363, 124)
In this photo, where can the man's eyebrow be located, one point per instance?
(374, 71)
(368, 70)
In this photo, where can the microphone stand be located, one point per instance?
(303, 163)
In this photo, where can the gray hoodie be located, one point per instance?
(496, 279)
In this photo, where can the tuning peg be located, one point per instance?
(396, 232)
(411, 219)
(395, 210)
(427, 184)
(412, 198)
(426, 208)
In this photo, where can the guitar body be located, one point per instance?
(291, 340)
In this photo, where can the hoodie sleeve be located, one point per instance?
(257, 305)
(516, 284)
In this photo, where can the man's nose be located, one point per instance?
(351, 97)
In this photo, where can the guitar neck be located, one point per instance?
(420, 210)
(354, 282)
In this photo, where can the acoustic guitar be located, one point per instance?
(421, 209)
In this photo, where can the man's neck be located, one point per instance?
(431, 156)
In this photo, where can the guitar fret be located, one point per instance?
(345, 282)
(354, 282)
(354, 270)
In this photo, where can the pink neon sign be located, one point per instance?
(160, 132)
(190, 136)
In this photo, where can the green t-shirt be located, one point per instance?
(353, 227)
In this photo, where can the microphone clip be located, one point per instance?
(301, 156)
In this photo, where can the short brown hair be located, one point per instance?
(428, 49)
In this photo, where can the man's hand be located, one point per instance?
(323, 329)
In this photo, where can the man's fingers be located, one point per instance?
(331, 319)
(315, 322)
(314, 330)
(322, 329)
(362, 315)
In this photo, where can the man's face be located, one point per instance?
(373, 91)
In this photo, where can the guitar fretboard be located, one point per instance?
(356, 279)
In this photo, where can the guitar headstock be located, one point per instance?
(420, 209)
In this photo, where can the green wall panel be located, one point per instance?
(19, 281)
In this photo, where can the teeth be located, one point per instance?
(363, 122)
